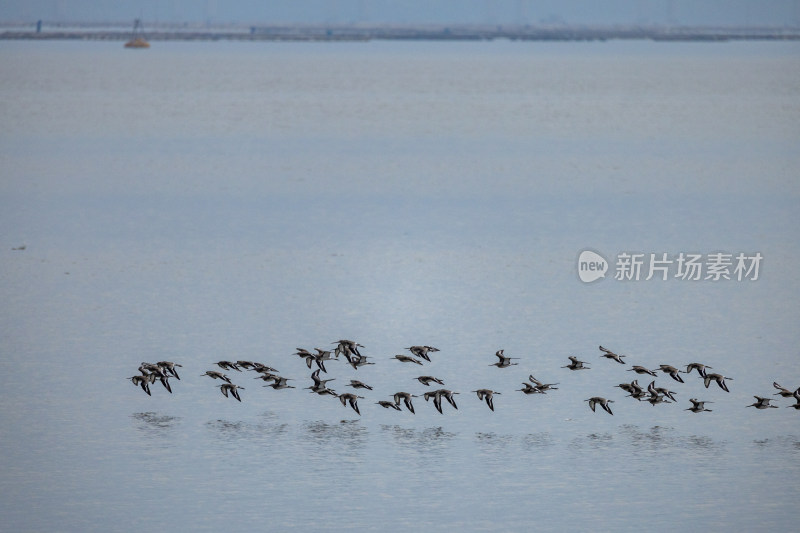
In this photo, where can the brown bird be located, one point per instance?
(672, 371)
(141, 380)
(426, 380)
(216, 375)
(227, 365)
(387, 404)
(542, 387)
(611, 355)
(488, 395)
(697, 406)
(406, 398)
(594, 400)
(169, 367)
(641, 370)
(351, 398)
(407, 359)
(359, 384)
(357, 361)
(700, 367)
(422, 351)
(762, 403)
(503, 360)
(782, 391)
(225, 388)
(280, 383)
(576, 364)
(719, 378)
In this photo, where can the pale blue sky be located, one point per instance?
(686, 12)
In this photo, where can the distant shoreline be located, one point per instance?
(418, 33)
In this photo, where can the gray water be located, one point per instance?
(197, 202)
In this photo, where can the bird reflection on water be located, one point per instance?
(594, 441)
(428, 439)
(790, 442)
(154, 424)
(349, 433)
(264, 433)
(533, 441)
(490, 441)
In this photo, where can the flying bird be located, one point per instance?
(488, 395)
(594, 400)
(503, 360)
(611, 355)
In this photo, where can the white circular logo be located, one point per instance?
(591, 266)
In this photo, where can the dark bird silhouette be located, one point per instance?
(143, 381)
(782, 391)
(422, 351)
(719, 378)
(226, 388)
(672, 371)
(641, 370)
(503, 361)
(406, 398)
(594, 400)
(169, 367)
(488, 395)
(426, 380)
(359, 384)
(576, 364)
(700, 367)
(407, 359)
(611, 355)
(762, 403)
(227, 365)
(697, 406)
(387, 404)
(352, 399)
(216, 375)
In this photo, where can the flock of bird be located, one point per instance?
(349, 351)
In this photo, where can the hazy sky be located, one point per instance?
(699, 12)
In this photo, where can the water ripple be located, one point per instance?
(260, 433)
(533, 441)
(347, 432)
(154, 424)
(430, 439)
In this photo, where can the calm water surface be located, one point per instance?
(206, 201)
